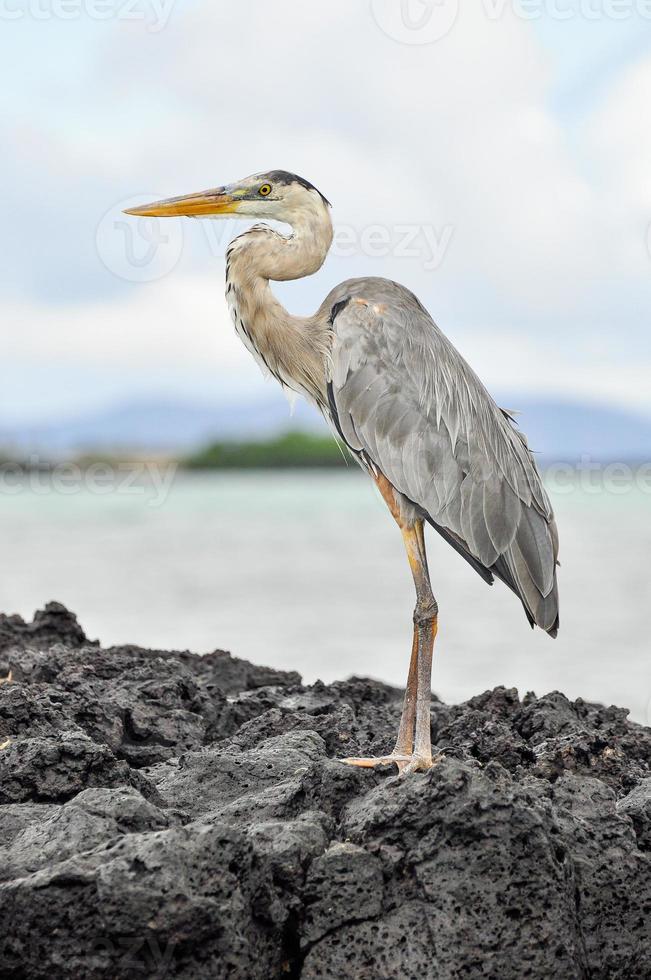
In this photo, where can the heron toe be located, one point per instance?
(383, 760)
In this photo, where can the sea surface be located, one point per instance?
(305, 570)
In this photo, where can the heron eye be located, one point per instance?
(265, 190)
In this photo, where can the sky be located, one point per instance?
(493, 156)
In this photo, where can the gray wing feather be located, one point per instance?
(405, 398)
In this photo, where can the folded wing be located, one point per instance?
(405, 400)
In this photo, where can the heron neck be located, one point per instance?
(292, 348)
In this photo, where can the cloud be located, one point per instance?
(546, 263)
(178, 320)
(512, 363)
(620, 148)
(457, 132)
(172, 338)
(180, 327)
(621, 143)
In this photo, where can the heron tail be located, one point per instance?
(528, 567)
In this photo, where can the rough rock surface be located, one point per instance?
(165, 815)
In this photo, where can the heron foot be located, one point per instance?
(420, 763)
(406, 763)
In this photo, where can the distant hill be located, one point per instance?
(567, 430)
(555, 429)
(160, 426)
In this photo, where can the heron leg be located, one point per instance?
(413, 748)
(425, 629)
(405, 741)
(404, 747)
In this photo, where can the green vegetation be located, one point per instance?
(295, 449)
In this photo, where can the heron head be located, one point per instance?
(276, 195)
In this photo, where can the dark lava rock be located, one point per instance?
(50, 625)
(169, 815)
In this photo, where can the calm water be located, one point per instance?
(306, 571)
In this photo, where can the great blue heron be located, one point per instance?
(404, 402)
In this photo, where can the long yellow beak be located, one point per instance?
(191, 205)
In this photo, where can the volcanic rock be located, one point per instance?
(165, 815)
